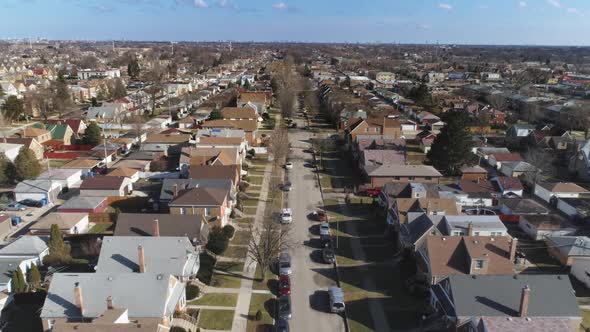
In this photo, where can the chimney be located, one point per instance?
(110, 302)
(524, 301)
(513, 244)
(78, 300)
(141, 259)
(175, 190)
(470, 229)
(156, 227)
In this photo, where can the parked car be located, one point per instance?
(336, 299)
(284, 285)
(15, 207)
(286, 216)
(285, 263)
(324, 228)
(372, 192)
(320, 215)
(306, 127)
(281, 325)
(326, 241)
(328, 255)
(284, 307)
(293, 125)
(289, 165)
(31, 203)
(287, 186)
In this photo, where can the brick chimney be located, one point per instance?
(156, 227)
(110, 302)
(513, 245)
(524, 301)
(175, 190)
(141, 259)
(470, 229)
(78, 299)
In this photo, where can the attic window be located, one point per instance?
(479, 264)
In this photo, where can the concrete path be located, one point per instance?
(210, 307)
(245, 292)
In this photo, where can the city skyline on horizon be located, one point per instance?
(507, 22)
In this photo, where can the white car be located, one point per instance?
(289, 165)
(286, 216)
(324, 228)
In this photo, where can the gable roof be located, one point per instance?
(140, 224)
(562, 187)
(123, 172)
(35, 186)
(166, 193)
(213, 172)
(200, 197)
(65, 221)
(82, 202)
(571, 245)
(499, 295)
(27, 245)
(103, 183)
(405, 205)
(403, 170)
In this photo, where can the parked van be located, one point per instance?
(336, 299)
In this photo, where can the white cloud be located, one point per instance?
(201, 4)
(522, 4)
(280, 6)
(445, 6)
(555, 3)
(573, 10)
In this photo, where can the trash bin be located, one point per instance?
(15, 220)
(44, 202)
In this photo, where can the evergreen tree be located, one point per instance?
(5, 167)
(59, 251)
(92, 135)
(451, 149)
(26, 165)
(215, 115)
(34, 276)
(21, 280)
(13, 108)
(61, 93)
(1, 91)
(133, 69)
(421, 96)
(94, 102)
(15, 285)
(247, 85)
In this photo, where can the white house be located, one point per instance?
(37, 190)
(86, 74)
(538, 227)
(9, 89)
(475, 224)
(67, 177)
(23, 252)
(10, 150)
(549, 191)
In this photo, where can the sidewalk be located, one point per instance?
(245, 293)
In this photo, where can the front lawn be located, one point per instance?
(226, 281)
(216, 319)
(241, 237)
(264, 303)
(217, 299)
(239, 252)
(101, 228)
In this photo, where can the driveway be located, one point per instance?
(311, 278)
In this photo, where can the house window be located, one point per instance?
(458, 233)
(207, 211)
(396, 177)
(411, 178)
(496, 233)
(475, 233)
(366, 130)
(183, 211)
(479, 264)
(428, 178)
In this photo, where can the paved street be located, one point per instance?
(311, 278)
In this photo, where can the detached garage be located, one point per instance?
(37, 190)
(68, 178)
(68, 223)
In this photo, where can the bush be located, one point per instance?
(218, 242)
(177, 329)
(228, 231)
(252, 152)
(243, 186)
(194, 313)
(192, 292)
(258, 316)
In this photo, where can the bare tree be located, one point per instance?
(287, 83)
(279, 144)
(269, 238)
(156, 77)
(137, 124)
(497, 101)
(542, 160)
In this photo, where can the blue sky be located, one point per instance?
(551, 22)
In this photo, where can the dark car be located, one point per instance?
(31, 203)
(284, 307)
(284, 285)
(320, 215)
(328, 255)
(281, 325)
(326, 241)
(287, 186)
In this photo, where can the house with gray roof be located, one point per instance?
(82, 296)
(166, 255)
(37, 190)
(420, 225)
(171, 187)
(566, 248)
(24, 252)
(477, 225)
(194, 227)
(464, 299)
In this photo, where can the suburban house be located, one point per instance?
(112, 319)
(195, 227)
(473, 225)
(77, 125)
(239, 113)
(382, 126)
(85, 296)
(474, 173)
(566, 248)
(462, 298)
(212, 203)
(371, 159)
(85, 165)
(10, 150)
(170, 144)
(172, 187)
(496, 160)
(576, 208)
(84, 204)
(550, 191)
(260, 100)
(250, 127)
(517, 168)
(6, 225)
(68, 223)
(23, 252)
(153, 254)
(511, 209)
(520, 130)
(486, 152)
(125, 172)
(67, 178)
(39, 134)
(580, 265)
(37, 190)
(61, 133)
(401, 207)
(443, 256)
(379, 175)
(394, 190)
(106, 186)
(479, 193)
(30, 143)
(418, 227)
(230, 172)
(192, 156)
(508, 186)
(540, 226)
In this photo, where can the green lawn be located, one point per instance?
(260, 284)
(226, 281)
(585, 318)
(230, 266)
(217, 299)
(101, 228)
(264, 303)
(250, 210)
(241, 237)
(250, 202)
(236, 252)
(216, 319)
(255, 180)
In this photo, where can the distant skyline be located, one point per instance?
(505, 22)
